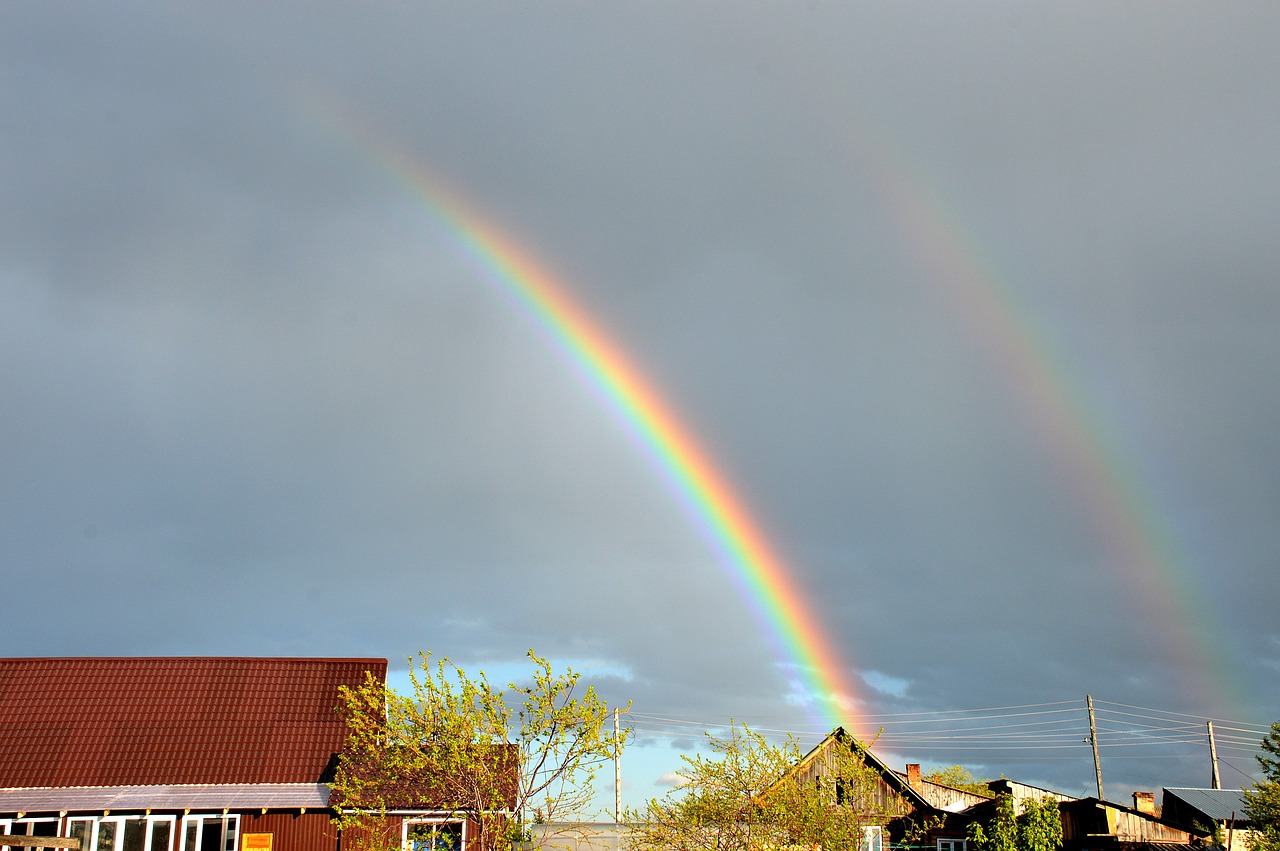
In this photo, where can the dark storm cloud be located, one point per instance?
(257, 401)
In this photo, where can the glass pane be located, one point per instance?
(160, 832)
(79, 830)
(448, 837)
(106, 836)
(229, 833)
(193, 836)
(135, 834)
(211, 835)
(420, 837)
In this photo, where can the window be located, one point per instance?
(872, 839)
(107, 835)
(32, 827)
(210, 833)
(433, 836)
(81, 829)
(123, 833)
(951, 844)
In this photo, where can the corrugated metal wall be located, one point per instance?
(293, 831)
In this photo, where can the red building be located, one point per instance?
(181, 754)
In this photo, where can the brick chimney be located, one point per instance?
(913, 776)
(1145, 802)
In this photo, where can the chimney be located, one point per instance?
(1145, 802)
(913, 775)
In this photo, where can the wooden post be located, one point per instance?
(1213, 757)
(1093, 739)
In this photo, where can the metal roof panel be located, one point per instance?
(172, 720)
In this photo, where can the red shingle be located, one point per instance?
(158, 720)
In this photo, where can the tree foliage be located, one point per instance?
(493, 756)
(745, 796)
(958, 777)
(1262, 802)
(1039, 828)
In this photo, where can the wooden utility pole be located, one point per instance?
(1093, 739)
(1213, 757)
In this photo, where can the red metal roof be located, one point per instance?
(162, 720)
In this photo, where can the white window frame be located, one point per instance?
(25, 826)
(91, 824)
(229, 822)
(94, 823)
(408, 824)
(951, 844)
(872, 838)
(152, 821)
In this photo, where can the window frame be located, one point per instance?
(872, 838)
(409, 822)
(230, 825)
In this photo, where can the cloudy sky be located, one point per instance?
(974, 305)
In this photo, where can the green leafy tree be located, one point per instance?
(1041, 825)
(1001, 833)
(958, 777)
(494, 757)
(1039, 828)
(1262, 802)
(745, 796)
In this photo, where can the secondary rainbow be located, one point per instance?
(1141, 544)
(760, 574)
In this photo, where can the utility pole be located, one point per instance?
(1213, 757)
(1093, 739)
(617, 767)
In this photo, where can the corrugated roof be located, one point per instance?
(171, 720)
(123, 799)
(1217, 804)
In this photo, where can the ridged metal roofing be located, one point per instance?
(123, 799)
(169, 720)
(1217, 804)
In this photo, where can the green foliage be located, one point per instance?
(1041, 825)
(745, 796)
(1039, 828)
(1262, 802)
(1001, 833)
(958, 777)
(461, 745)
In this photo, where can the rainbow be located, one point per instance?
(1140, 545)
(761, 576)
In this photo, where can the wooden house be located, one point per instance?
(1090, 824)
(182, 754)
(900, 806)
(909, 810)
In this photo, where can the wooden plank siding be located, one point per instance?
(818, 767)
(1090, 823)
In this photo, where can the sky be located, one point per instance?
(971, 308)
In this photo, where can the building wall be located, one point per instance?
(293, 831)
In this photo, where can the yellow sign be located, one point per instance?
(255, 841)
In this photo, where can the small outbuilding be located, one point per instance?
(1219, 810)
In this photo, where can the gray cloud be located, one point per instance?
(257, 401)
